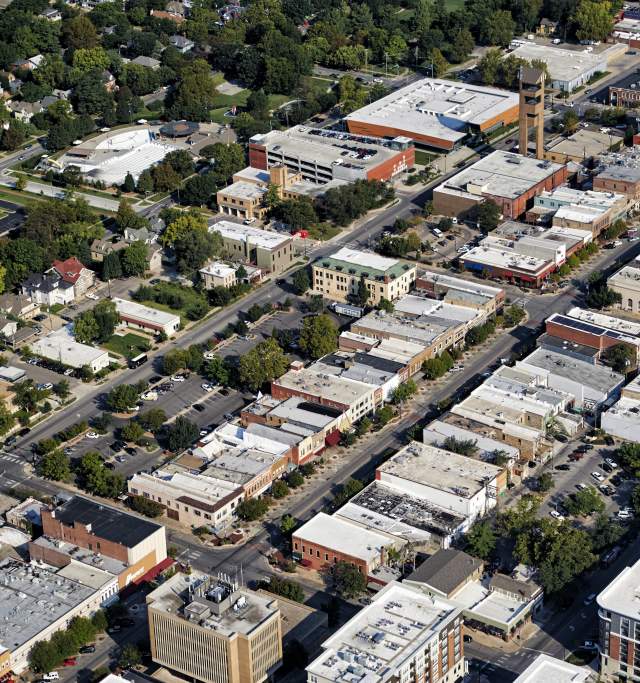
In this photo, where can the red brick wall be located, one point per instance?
(614, 646)
(257, 156)
(78, 535)
(591, 340)
(280, 392)
(389, 168)
(319, 563)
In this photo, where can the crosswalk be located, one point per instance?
(11, 458)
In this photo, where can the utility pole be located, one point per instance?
(386, 59)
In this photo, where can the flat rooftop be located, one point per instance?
(437, 108)
(421, 331)
(382, 508)
(597, 377)
(563, 65)
(212, 604)
(364, 263)
(374, 645)
(590, 326)
(244, 190)
(629, 174)
(88, 557)
(314, 383)
(153, 316)
(494, 255)
(460, 284)
(32, 598)
(628, 276)
(501, 174)
(218, 269)
(329, 147)
(598, 323)
(434, 467)
(582, 144)
(63, 348)
(419, 306)
(244, 233)
(437, 431)
(343, 536)
(545, 668)
(106, 522)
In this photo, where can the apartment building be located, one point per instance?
(325, 540)
(272, 252)
(339, 276)
(402, 635)
(211, 630)
(137, 545)
(619, 626)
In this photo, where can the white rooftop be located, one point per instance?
(63, 348)
(437, 431)
(609, 321)
(422, 306)
(245, 190)
(254, 236)
(622, 595)
(314, 383)
(343, 536)
(144, 313)
(503, 257)
(218, 269)
(628, 276)
(563, 65)
(545, 669)
(437, 108)
(434, 467)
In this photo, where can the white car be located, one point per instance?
(624, 514)
(46, 386)
(92, 296)
(556, 515)
(93, 435)
(177, 378)
(581, 487)
(149, 396)
(209, 355)
(597, 476)
(51, 676)
(206, 387)
(612, 463)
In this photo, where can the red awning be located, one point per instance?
(154, 571)
(333, 438)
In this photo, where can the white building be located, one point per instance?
(545, 669)
(146, 318)
(61, 347)
(623, 417)
(218, 274)
(454, 482)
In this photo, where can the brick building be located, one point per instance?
(622, 179)
(510, 180)
(137, 543)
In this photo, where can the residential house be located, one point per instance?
(24, 111)
(72, 271)
(218, 274)
(51, 14)
(102, 248)
(19, 306)
(181, 43)
(48, 289)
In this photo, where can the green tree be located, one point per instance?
(79, 33)
(349, 582)
(129, 184)
(129, 657)
(487, 215)
(21, 182)
(295, 479)
(145, 182)
(181, 226)
(498, 29)
(107, 319)
(153, 420)
(252, 509)
(404, 392)
(85, 328)
(279, 489)
(594, 20)
(287, 525)
(361, 296)
(570, 121)
(229, 159)
(263, 363)
(545, 482)
(55, 466)
(481, 540)
(123, 398)
(602, 297)
(182, 434)
(43, 657)
(468, 447)
(111, 267)
(135, 259)
(145, 506)
(287, 589)
(301, 281)
(199, 189)
(61, 389)
(489, 66)
(346, 492)
(513, 315)
(318, 336)
(7, 419)
(217, 370)
(438, 62)
(585, 502)
(127, 218)
(620, 357)
(132, 431)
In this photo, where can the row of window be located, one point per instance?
(168, 503)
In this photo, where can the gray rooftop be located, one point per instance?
(446, 570)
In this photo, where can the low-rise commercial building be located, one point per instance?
(510, 180)
(436, 113)
(35, 602)
(401, 630)
(137, 544)
(580, 147)
(340, 275)
(569, 69)
(545, 668)
(455, 482)
(622, 420)
(592, 386)
(325, 540)
(146, 318)
(213, 631)
(626, 282)
(619, 625)
(61, 347)
(321, 155)
(190, 499)
(626, 91)
(272, 252)
(620, 173)
(499, 605)
(594, 330)
(218, 274)
(460, 292)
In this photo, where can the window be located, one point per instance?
(624, 627)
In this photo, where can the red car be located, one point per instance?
(70, 661)
(575, 456)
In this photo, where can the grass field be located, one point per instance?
(424, 158)
(222, 104)
(127, 345)
(453, 4)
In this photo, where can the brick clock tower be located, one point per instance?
(531, 109)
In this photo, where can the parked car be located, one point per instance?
(199, 407)
(597, 476)
(589, 599)
(624, 514)
(117, 446)
(607, 468)
(70, 661)
(92, 296)
(93, 435)
(575, 456)
(589, 645)
(178, 378)
(607, 490)
(581, 487)
(116, 628)
(51, 676)
(611, 462)
(562, 438)
(564, 467)
(130, 450)
(87, 649)
(556, 515)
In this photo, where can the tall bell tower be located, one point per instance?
(531, 109)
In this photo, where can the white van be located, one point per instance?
(437, 232)
(51, 676)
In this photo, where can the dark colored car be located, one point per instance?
(609, 440)
(155, 281)
(110, 465)
(87, 649)
(575, 456)
(606, 467)
(10, 442)
(224, 391)
(199, 407)
(40, 317)
(467, 638)
(117, 446)
(155, 378)
(130, 450)
(24, 431)
(585, 448)
(562, 438)
(126, 621)
(564, 467)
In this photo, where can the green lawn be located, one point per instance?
(424, 158)
(453, 4)
(127, 345)
(222, 104)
